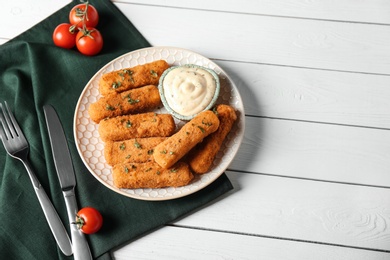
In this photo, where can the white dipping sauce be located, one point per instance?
(188, 90)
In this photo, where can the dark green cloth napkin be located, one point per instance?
(33, 72)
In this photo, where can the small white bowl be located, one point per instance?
(206, 107)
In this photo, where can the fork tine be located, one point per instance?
(13, 119)
(7, 134)
(2, 133)
(13, 126)
(18, 130)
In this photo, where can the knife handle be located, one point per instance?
(54, 221)
(81, 249)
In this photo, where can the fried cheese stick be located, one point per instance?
(203, 155)
(138, 76)
(136, 150)
(128, 102)
(150, 175)
(136, 126)
(193, 132)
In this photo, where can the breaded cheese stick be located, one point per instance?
(150, 175)
(128, 102)
(136, 150)
(193, 132)
(136, 126)
(138, 76)
(203, 155)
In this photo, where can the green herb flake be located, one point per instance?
(128, 124)
(130, 73)
(128, 156)
(150, 152)
(132, 101)
(173, 170)
(207, 123)
(153, 73)
(122, 146)
(164, 152)
(116, 85)
(109, 107)
(215, 110)
(137, 145)
(126, 169)
(158, 172)
(202, 129)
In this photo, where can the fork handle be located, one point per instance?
(55, 223)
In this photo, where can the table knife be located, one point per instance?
(66, 176)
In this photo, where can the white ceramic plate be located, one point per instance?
(91, 147)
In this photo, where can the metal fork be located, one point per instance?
(17, 147)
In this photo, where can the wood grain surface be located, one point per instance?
(312, 177)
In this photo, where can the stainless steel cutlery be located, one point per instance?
(66, 176)
(17, 147)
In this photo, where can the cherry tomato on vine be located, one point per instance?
(77, 14)
(89, 220)
(64, 38)
(89, 42)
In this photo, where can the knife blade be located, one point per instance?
(67, 179)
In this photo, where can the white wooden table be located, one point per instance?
(312, 177)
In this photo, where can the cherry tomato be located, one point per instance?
(63, 38)
(77, 14)
(89, 220)
(89, 42)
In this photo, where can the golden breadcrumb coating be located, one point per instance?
(131, 101)
(136, 150)
(138, 76)
(136, 126)
(150, 175)
(203, 155)
(193, 132)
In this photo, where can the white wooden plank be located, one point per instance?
(313, 95)
(18, 16)
(2, 41)
(179, 243)
(315, 151)
(271, 40)
(373, 11)
(346, 215)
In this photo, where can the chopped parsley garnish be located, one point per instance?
(116, 85)
(137, 145)
(202, 129)
(132, 101)
(128, 124)
(109, 107)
